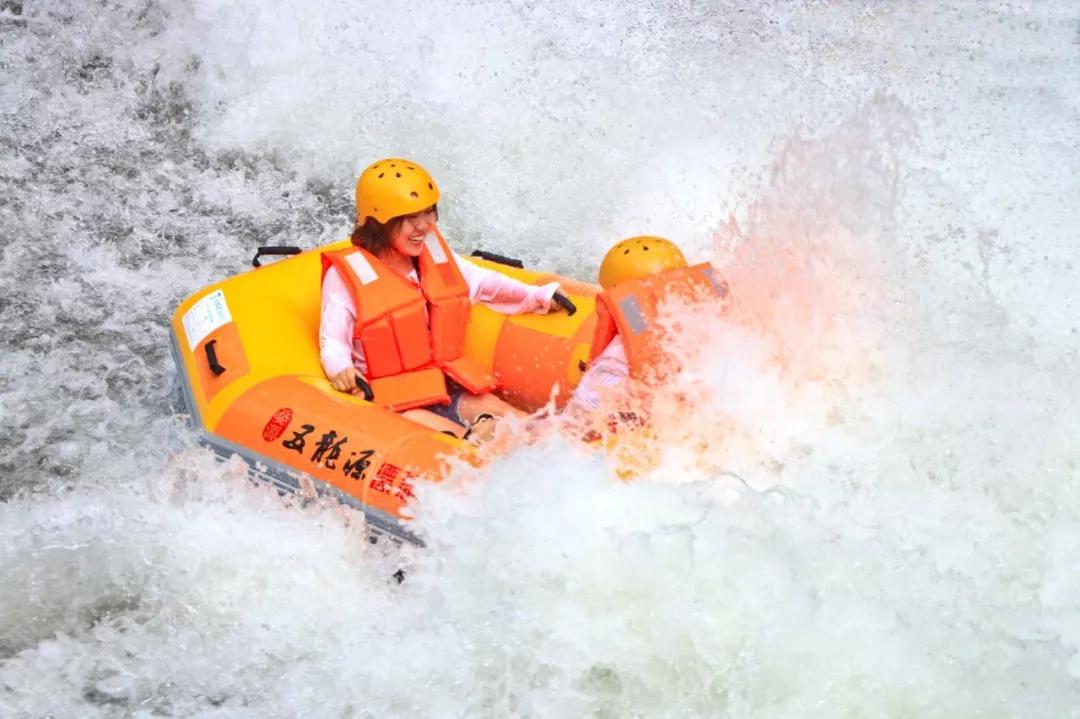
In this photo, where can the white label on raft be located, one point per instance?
(205, 316)
(363, 269)
(435, 249)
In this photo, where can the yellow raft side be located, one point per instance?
(259, 390)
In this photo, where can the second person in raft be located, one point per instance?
(637, 276)
(396, 303)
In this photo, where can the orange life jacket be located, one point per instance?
(630, 309)
(411, 335)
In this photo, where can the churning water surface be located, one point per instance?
(870, 508)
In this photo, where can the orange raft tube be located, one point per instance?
(247, 355)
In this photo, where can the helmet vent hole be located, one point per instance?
(381, 174)
(412, 168)
(398, 174)
(430, 186)
(626, 252)
(392, 165)
(646, 248)
(413, 195)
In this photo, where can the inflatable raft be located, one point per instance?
(247, 358)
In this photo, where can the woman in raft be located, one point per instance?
(637, 276)
(396, 303)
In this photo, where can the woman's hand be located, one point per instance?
(559, 300)
(345, 380)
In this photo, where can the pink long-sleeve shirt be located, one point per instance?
(608, 371)
(337, 349)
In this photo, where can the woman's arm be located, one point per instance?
(337, 351)
(605, 374)
(504, 294)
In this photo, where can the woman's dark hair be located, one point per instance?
(375, 236)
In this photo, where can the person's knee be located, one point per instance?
(472, 406)
(434, 421)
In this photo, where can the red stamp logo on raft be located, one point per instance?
(277, 425)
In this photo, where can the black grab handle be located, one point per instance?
(501, 259)
(274, 250)
(364, 387)
(211, 359)
(563, 301)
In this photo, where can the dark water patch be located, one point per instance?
(167, 108)
(335, 196)
(89, 72)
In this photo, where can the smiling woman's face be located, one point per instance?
(408, 237)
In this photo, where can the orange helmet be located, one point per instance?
(637, 257)
(393, 187)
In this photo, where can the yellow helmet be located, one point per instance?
(393, 187)
(638, 257)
